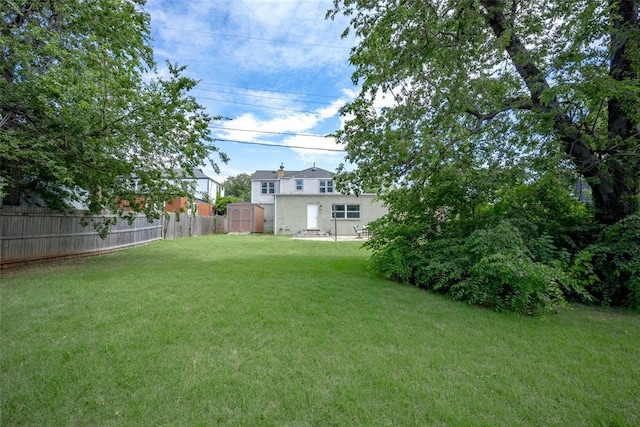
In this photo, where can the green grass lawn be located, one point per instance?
(262, 330)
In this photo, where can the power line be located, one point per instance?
(262, 96)
(211, 33)
(278, 146)
(202, 82)
(269, 132)
(266, 90)
(258, 106)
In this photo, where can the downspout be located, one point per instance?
(335, 222)
(275, 215)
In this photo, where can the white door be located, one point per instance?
(312, 216)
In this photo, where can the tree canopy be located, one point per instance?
(238, 186)
(494, 82)
(475, 120)
(82, 117)
(223, 202)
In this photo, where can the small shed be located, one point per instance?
(245, 217)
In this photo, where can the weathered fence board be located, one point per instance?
(30, 234)
(34, 234)
(176, 226)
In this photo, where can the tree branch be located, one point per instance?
(519, 103)
(520, 56)
(4, 120)
(568, 132)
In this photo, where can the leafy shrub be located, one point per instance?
(396, 260)
(609, 269)
(504, 276)
(445, 263)
(491, 267)
(222, 202)
(396, 250)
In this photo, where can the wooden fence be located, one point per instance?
(36, 234)
(191, 226)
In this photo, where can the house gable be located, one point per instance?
(266, 184)
(204, 187)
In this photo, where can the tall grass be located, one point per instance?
(261, 330)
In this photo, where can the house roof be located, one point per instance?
(313, 172)
(197, 173)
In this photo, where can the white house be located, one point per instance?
(306, 202)
(204, 190)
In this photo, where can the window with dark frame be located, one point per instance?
(268, 187)
(326, 186)
(299, 185)
(345, 212)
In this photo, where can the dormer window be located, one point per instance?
(326, 186)
(299, 185)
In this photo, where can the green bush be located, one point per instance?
(492, 267)
(222, 202)
(525, 248)
(445, 262)
(504, 276)
(609, 269)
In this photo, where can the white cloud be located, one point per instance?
(282, 45)
(283, 123)
(259, 34)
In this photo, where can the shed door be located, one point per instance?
(312, 216)
(241, 220)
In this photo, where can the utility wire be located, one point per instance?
(202, 82)
(266, 90)
(211, 33)
(262, 96)
(278, 146)
(269, 132)
(258, 106)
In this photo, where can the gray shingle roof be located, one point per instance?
(197, 173)
(263, 175)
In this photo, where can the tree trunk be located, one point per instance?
(614, 181)
(616, 200)
(14, 192)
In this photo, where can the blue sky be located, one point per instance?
(277, 68)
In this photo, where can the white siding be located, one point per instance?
(202, 189)
(207, 187)
(288, 186)
(309, 186)
(256, 193)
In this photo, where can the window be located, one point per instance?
(268, 187)
(298, 185)
(326, 186)
(345, 211)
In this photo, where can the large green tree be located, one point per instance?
(238, 186)
(81, 118)
(483, 92)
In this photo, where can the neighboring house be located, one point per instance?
(205, 191)
(306, 201)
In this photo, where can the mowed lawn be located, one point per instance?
(263, 330)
